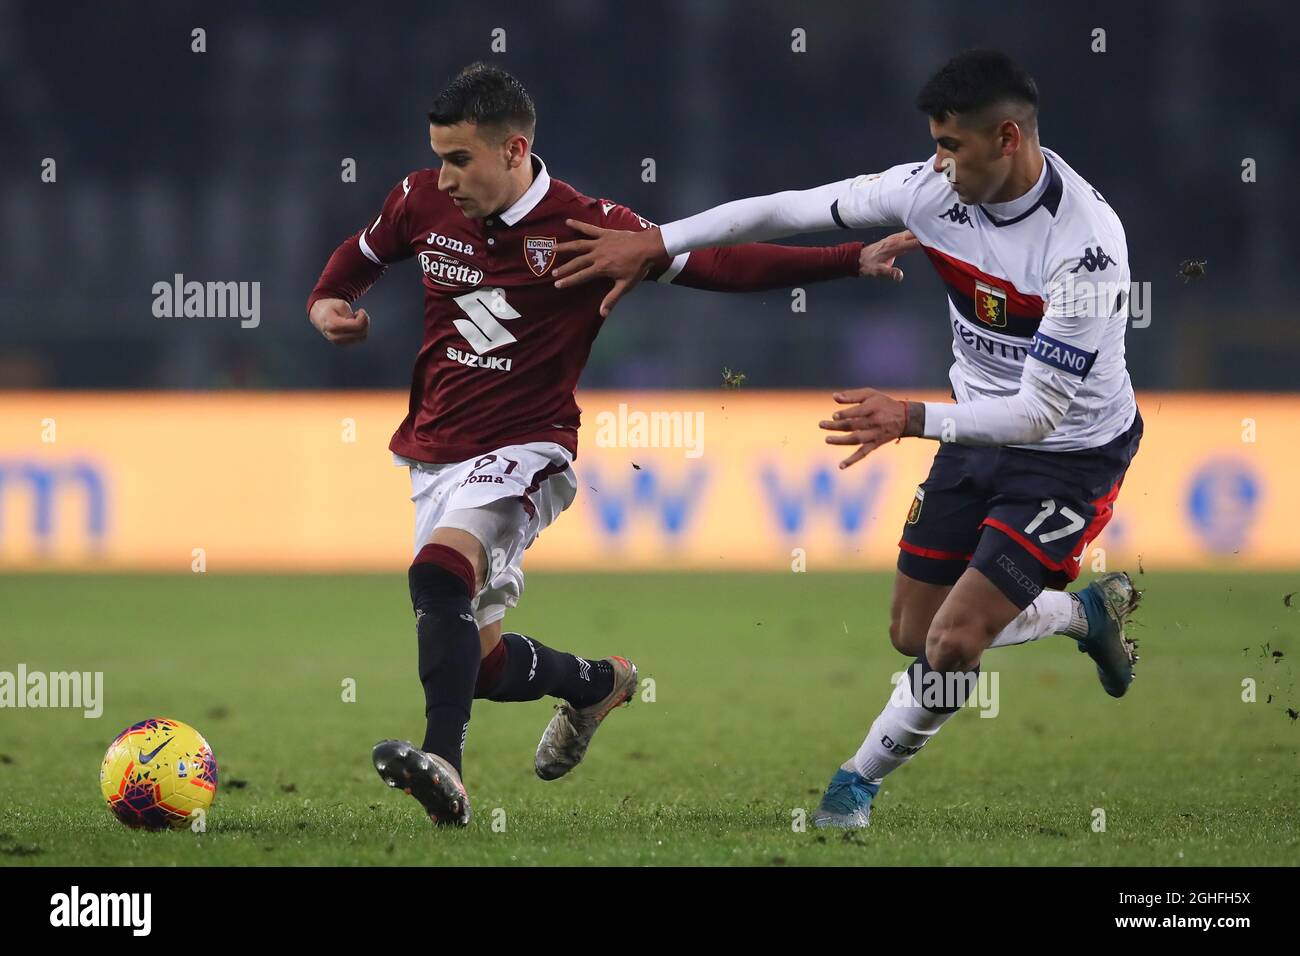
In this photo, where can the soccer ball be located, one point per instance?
(157, 773)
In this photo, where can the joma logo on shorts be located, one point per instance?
(477, 479)
(478, 361)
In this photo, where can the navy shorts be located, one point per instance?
(1023, 518)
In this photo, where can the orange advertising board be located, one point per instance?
(686, 480)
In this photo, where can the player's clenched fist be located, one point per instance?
(335, 320)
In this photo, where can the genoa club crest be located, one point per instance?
(991, 305)
(914, 512)
(539, 253)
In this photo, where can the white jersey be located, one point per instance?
(1037, 289)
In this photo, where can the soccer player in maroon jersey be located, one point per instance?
(492, 429)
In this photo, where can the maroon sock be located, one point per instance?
(490, 669)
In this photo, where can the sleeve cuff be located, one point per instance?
(934, 417)
(670, 235)
(674, 268)
(366, 250)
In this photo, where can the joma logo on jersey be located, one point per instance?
(539, 253)
(448, 270)
(479, 361)
(455, 245)
(991, 305)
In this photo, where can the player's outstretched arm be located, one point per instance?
(626, 257)
(756, 265)
(871, 418)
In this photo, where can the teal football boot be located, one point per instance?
(846, 802)
(1108, 602)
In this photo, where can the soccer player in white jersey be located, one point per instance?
(1032, 454)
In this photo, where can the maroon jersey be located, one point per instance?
(503, 348)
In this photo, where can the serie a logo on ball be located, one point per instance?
(157, 774)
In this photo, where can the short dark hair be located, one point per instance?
(486, 95)
(974, 80)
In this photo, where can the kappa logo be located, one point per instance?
(958, 215)
(1093, 261)
(991, 305)
(539, 253)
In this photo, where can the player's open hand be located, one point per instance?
(335, 320)
(871, 419)
(625, 257)
(877, 259)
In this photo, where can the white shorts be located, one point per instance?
(504, 498)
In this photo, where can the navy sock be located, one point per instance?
(449, 647)
(943, 692)
(526, 669)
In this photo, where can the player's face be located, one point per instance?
(476, 165)
(976, 161)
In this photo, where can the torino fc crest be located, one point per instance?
(539, 253)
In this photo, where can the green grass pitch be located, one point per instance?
(762, 685)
